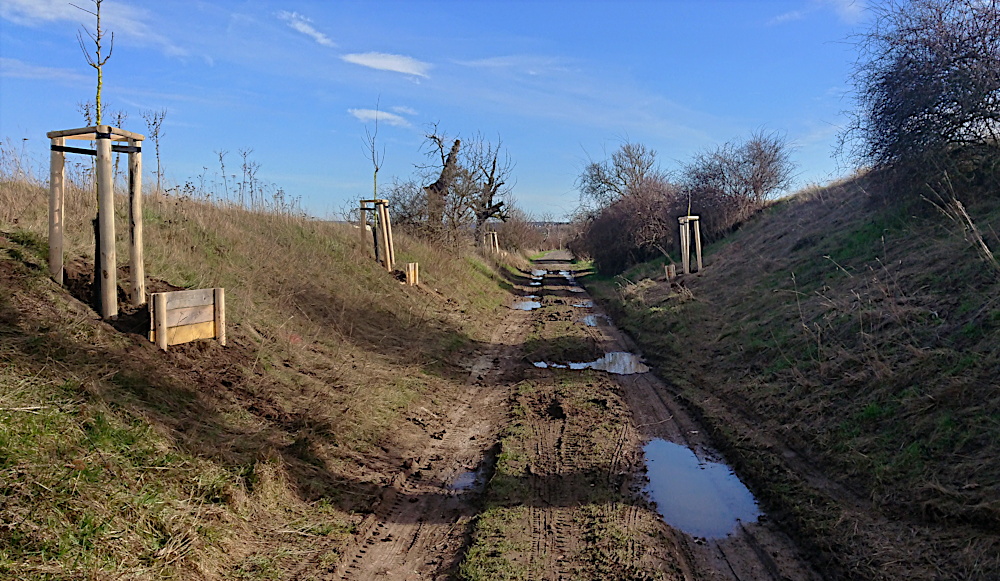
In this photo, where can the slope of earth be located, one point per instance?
(566, 498)
(118, 461)
(846, 355)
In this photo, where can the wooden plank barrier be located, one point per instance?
(184, 316)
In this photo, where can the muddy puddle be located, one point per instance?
(526, 305)
(618, 362)
(701, 498)
(584, 305)
(592, 320)
(470, 480)
(539, 273)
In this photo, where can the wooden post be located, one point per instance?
(685, 244)
(57, 175)
(412, 273)
(363, 224)
(137, 268)
(388, 231)
(496, 242)
(383, 235)
(106, 224)
(220, 315)
(160, 319)
(671, 271)
(697, 240)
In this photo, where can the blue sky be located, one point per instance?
(559, 82)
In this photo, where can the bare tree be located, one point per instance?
(490, 171)
(98, 59)
(927, 81)
(439, 190)
(730, 183)
(630, 169)
(154, 129)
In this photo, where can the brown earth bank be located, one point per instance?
(844, 353)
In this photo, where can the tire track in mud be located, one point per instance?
(421, 524)
(755, 550)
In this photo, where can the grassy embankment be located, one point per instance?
(118, 461)
(866, 338)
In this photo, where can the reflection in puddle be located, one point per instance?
(576, 289)
(531, 297)
(527, 305)
(591, 320)
(470, 480)
(584, 305)
(539, 272)
(701, 498)
(618, 362)
(535, 283)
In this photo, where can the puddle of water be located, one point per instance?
(617, 362)
(535, 283)
(470, 480)
(539, 272)
(576, 289)
(531, 297)
(591, 320)
(701, 498)
(584, 305)
(527, 305)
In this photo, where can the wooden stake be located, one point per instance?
(388, 230)
(220, 315)
(685, 244)
(412, 273)
(697, 241)
(137, 268)
(160, 319)
(106, 225)
(57, 175)
(383, 233)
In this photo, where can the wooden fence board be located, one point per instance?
(190, 315)
(188, 333)
(190, 298)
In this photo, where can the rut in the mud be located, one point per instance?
(567, 497)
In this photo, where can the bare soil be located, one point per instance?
(562, 450)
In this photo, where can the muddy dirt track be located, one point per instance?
(561, 450)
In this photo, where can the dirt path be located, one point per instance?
(421, 524)
(565, 497)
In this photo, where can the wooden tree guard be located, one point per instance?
(670, 270)
(412, 273)
(103, 136)
(184, 316)
(686, 223)
(491, 242)
(385, 251)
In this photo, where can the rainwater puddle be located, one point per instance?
(591, 320)
(584, 305)
(701, 498)
(617, 362)
(527, 305)
(539, 272)
(575, 289)
(534, 283)
(470, 480)
(531, 297)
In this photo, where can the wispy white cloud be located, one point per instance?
(389, 62)
(403, 110)
(527, 64)
(787, 17)
(848, 11)
(371, 115)
(15, 68)
(304, 25)
(123, 20)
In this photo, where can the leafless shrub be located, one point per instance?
(927, 81)
(729, 184)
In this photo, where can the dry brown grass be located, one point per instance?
(208, 462)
